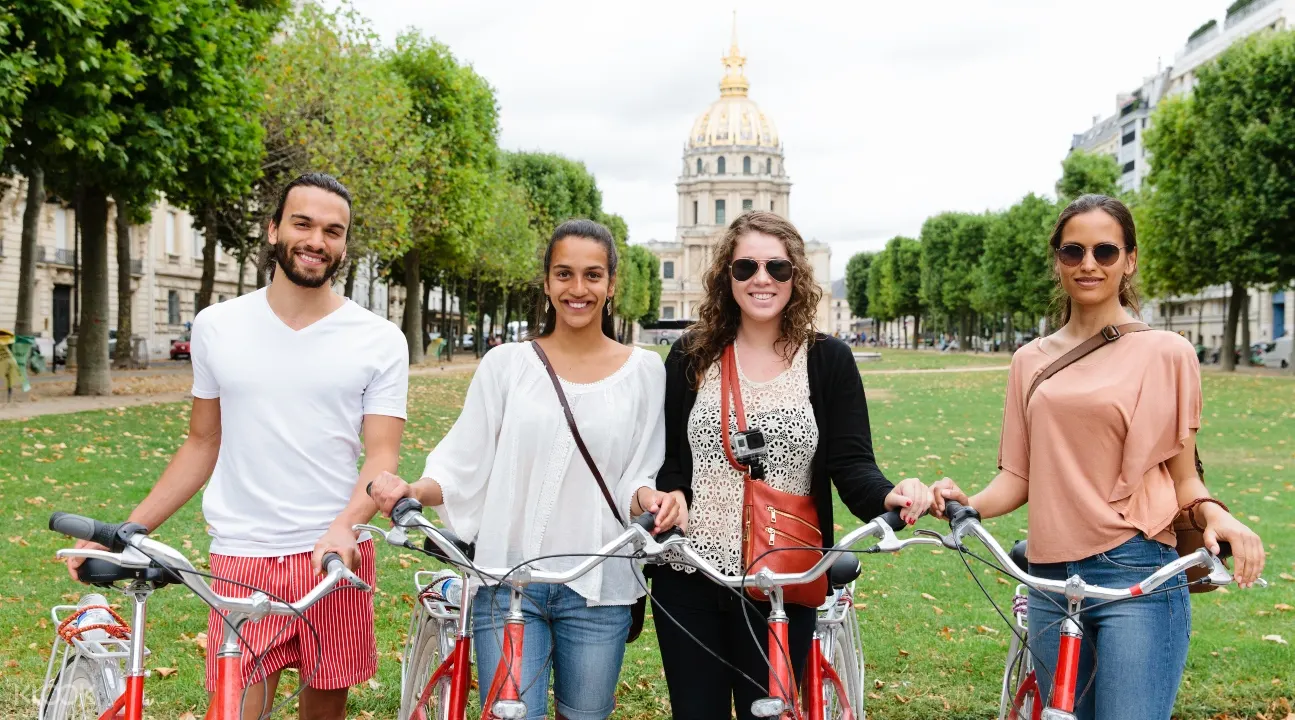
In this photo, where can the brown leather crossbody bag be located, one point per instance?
(1189, 534)
(780, 530)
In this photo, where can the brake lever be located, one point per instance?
(395, 536)
(129, 558)
(945, 540)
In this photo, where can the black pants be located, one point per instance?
(702, 687)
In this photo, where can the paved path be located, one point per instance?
(930, 371)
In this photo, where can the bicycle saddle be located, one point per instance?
(1018, 556)
(102, 573)
(843, 571)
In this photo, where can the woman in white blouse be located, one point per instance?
(508, 476)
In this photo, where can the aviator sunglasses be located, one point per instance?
(1072, 254)
(745, 268)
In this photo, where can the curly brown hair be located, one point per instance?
(719, 316)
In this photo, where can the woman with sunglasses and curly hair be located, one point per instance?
(1104, 454)
(803, 391)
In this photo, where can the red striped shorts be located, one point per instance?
(346, 652)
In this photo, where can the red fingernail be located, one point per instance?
(911, 521)
(908, 504)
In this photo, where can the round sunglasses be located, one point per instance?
(744, 269)
(1072, 254)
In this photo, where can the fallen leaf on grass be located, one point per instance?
(986, 629)
(1283, 607)
(165, 672)
(1275, 638)
(904, 653)
(188, 716)
(928, 596)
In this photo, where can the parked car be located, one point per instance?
(180, 348)
(1277, 354)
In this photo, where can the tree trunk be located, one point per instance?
(373, 281)
(463, 289)
(1200, 319)
(1226, 358)
(1245, 329)
(351, 267)
(917, 330)
(508, 312)
(447, 331)
(1011, 332)
(479, 340)
(24, 325)
(413, 314)
(426, 314)
(122, 358)
(966, 331)
(494, 311)
(242, 266)
(210, 239)
(92, 374)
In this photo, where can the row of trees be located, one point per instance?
(1217, 209)
(216, 104)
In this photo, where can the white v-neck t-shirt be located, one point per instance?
(292, 406)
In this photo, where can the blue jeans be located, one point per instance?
(581, 646)
(1141, 643)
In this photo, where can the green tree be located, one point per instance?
(952, 244)
(1084, 172)
(1015, 269)
(901, 281)
(856, 282)
(457, 119)
(1222, 202)
(559, 188)
(878, 295)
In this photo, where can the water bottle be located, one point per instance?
(96, 616)
(449, 586)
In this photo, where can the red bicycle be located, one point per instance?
(88, 683)
(1019, 680)
(826, 694)
(442, 631)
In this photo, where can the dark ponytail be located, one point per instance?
(582, 228)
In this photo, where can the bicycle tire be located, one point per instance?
(844, 651)
(429, 643)
(82, 689)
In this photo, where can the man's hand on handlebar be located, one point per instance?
(74, 564)
(388, 489)
(946, 489)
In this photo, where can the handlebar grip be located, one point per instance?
(959, 513)
(647, 521)
(84, 528)
(1225, 550)
(893, 519)
(667, 534)
(328, 559)
(405, 506)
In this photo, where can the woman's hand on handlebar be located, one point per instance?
(670, 508)
(946, 489)
(1247, 549)
(911, 498)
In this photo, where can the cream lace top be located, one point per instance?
(781, 409)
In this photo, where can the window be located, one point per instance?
(1128, 166)
(169, 223)
(698, 166)
(172, 307)
(60, 228)
(1144, 122)
(770, 206)
(748, 206)
(198, 242)
(667, 270)
(694, 212)
(746, 166)
(1128, 137)
(719, 212)
(667, 312)
(719, 166)
(221, 298)
(768, 166)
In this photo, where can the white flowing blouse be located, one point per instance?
(515, 483)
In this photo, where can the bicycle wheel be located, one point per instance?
(1020, 694)
(83, 690)
(430, 641)
(843, 649)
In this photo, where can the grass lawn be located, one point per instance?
(900, 359)
(934, 646)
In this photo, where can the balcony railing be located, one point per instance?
(54, 256)
(1242, 13)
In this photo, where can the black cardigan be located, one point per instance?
(844, 453)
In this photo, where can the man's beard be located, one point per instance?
(287, 262)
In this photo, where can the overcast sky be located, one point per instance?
(889, 112)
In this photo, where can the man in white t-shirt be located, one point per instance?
(290, 383)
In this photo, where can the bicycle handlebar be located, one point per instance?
(881, 527)
(132, 548)
(964, 520)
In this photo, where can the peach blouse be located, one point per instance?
(1095, 439)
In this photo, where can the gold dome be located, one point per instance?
(733, 119)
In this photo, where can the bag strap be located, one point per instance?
(575, 432)
(1108, 334)
(730, 384)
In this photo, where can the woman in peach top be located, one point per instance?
(1103, 453)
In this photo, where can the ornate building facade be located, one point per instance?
(732, 164)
